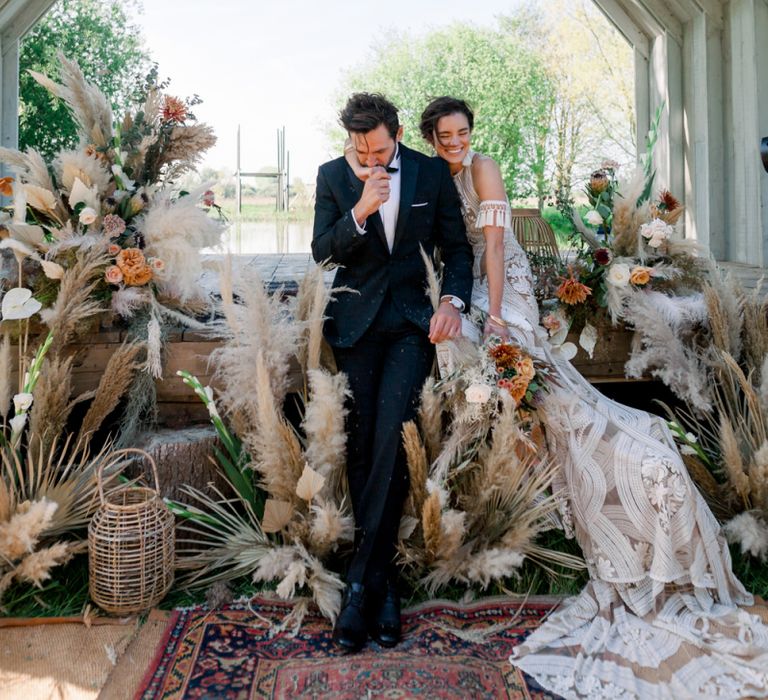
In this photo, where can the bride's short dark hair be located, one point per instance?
(365, 111)
(441, 107)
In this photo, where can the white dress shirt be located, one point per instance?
(391, 208)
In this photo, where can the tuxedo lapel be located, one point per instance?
(374, 221)
(409, 171)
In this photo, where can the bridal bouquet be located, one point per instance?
(114, 196)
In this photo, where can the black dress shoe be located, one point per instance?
(384, 617)
(351, 631)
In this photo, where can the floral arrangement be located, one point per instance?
(629, 249)
(114, 193)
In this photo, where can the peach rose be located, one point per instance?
(114, 249)
(130, 258)
(640, 275)
(156, 264)
(113, 275)
(525, 369)
(137, 276)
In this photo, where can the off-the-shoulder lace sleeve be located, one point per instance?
(493, 212)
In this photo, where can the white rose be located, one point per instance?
(22, 402)
(593, 218)
(477, 393)
(88, 215)
(18, 423)
(618, 275)
(657, 240)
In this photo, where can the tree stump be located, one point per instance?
(183, 459)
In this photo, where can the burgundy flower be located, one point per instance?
(603, 256)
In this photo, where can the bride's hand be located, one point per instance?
(492, 328)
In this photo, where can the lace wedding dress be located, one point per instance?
(661, 616)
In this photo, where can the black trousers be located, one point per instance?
(386, 370)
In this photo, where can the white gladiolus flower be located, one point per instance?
(18, 423)
(618, 275)
(477, 393)
(18, 303)
(123, 180)
(593, 218)
(22, 402)
(52, 270)
(88, 216)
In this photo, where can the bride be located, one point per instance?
(663, 615)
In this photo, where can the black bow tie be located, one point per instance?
(390, 169)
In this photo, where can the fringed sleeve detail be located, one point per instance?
(493, 212)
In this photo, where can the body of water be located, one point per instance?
(266, 237)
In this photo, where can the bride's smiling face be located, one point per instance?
(452, 139)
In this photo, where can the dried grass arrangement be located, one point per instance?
(480, 492)
(476, 504)
(47, 474)
(719, 367)
(290, 514)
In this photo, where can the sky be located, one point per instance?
(265, 64)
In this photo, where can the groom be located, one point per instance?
(382, 330)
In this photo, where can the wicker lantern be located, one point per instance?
(533, 233)
(130, 546)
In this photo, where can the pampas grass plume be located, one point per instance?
(431, 525)
(37, 566)
(750, 532)
(20, 534)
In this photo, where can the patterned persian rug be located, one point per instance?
(246, 651)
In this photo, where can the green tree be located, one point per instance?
(100, 36)
(505, 83)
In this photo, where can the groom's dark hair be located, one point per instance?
(365, 111)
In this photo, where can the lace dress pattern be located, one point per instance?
(663, 615)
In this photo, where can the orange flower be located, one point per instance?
(5, 186)
(572, 292)
(137, 276)
(134, 267)
(174, 110)
(640, 275)
(505, 356)
(517, 386)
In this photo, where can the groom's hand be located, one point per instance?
(375, 193)
(445, 323)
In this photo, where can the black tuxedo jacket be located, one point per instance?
(429, 216)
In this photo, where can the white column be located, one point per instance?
(666, 86)
(745, 76)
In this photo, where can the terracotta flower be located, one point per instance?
(505, 355)
(668, 201)
(113, 249)
(113, 275)
(572, 292)
(6, 188)
(640, 275)
(598, 182)
(174, 110)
